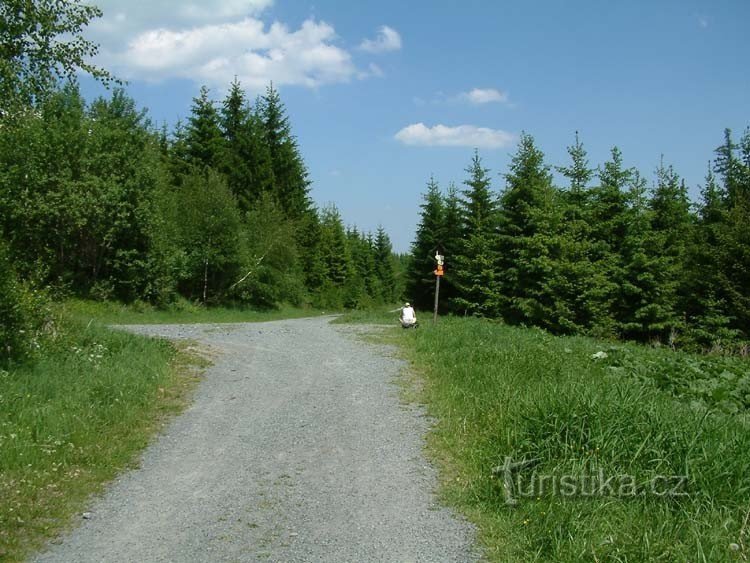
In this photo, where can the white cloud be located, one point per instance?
(373, 71)
(138, 15)
(477, 96)
(418, 134)
(214, 54)
(387, 39)
(485, 96)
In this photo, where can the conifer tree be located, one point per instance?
(335, 257)
(729, 167)
(579, 175)
(609, 203)
(420, 278)
(705, 305)
(671, 225)
(645, 304)
(363, 288)
(291, 184)
(609, 218)
(383, 255)
(451, 240)
(176, 158)
(246, 158)
(733, 165)
(527, 249)
(475, 274)
(307, 237)
(578, 279)
(203, 138)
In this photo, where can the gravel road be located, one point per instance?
(296, 448)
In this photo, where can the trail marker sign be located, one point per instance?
(439, 272)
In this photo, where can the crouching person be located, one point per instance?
(408, 317)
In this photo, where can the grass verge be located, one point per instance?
(386, 315)
(74, 418)
(633, 454)
(110, 312)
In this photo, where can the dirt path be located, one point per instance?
(295, 449)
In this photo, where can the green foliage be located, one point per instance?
(611, 259)
(79, 186)
(181, 311)
(579, 279)
(382, 252)
(203, 136)
(499, 391)
(71, 420)
(94, 201)
(14, 322)
(246, 158)
(270, 270)
(451, 237)
(428, 239)
(41, 44)
(291, 184)
(476, 273)
(209, 235)
(336, 263)
(527, 245)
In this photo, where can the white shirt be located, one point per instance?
(408, 315)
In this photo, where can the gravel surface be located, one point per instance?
(296, 448)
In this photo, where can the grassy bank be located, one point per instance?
(607, 433)
(384, 315)
(181, 313)
(73, 418)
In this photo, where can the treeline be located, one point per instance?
(97, 202)
(606, 255)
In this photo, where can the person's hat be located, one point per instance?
(406, 305)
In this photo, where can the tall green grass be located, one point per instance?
(182, 312)
(499, 392)
(74, 417)
(382, 315)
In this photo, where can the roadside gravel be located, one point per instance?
(296, 448)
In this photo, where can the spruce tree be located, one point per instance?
(733, 164)
(363, 287)
(527, 250)
(335, 260)
(203, 138)
(671, 225)
(578, 281)
(609, 203)
(475, 276)
(383, 255)
(246, 158)
(729, 167)
(420, 282)
(451, 235)
(645, 304)
(579, 174)
(706, 306)
(291, 184)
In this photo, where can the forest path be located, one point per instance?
(296, 448)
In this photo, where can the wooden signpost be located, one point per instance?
(440, 259)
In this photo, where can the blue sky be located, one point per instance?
(383, 94)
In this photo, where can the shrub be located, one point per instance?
(14, 322)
